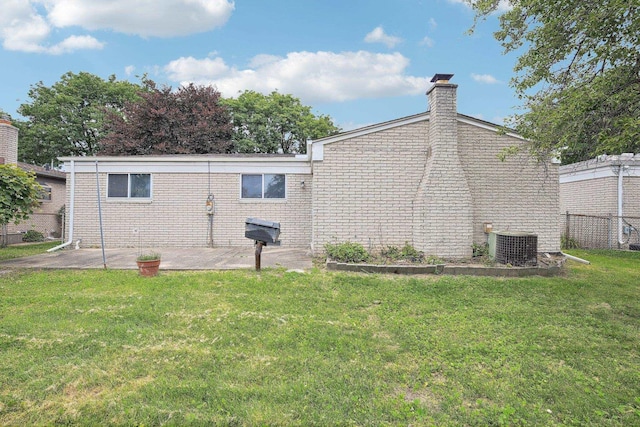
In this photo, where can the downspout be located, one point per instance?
(620, 198)
(575, 258)
(71, 209)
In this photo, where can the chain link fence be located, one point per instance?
(600, 232)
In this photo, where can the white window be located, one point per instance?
(45, 193)
(129, 185)
(263, 186)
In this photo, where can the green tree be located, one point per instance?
(275, 123)
(19, 193)
(578, 74)
(190, 120)
(66, 119)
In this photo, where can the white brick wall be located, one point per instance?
(8, 142)
(365, 186)
(593, 197)
(599, 196)
(176, 215)
(516, 195)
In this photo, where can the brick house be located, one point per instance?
(606, 192)
(45, 218)
(432, 179)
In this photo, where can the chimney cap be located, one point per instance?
(441, 78)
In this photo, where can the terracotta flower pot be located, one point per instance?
(148, 268)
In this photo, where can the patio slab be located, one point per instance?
(172, 259)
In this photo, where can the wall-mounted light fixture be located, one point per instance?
(302, 184)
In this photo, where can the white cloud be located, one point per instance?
(310, 76)
(129, 69)
(427, 41)
(190, 68)
(164, 18)
(379, 36)
(73, 43)
(26, 25)
(484, 78)
(433, 24)
(21, 28)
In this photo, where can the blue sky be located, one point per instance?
(359, 61)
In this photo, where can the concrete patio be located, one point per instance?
(172, 259)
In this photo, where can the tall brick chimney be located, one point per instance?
(443, 207)
(8, 141)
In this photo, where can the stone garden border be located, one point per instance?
(469, 270)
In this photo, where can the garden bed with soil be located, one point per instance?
(407, 260)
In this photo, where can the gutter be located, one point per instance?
(575, 258)
(621, 168)
(71, 209)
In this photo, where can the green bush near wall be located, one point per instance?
(347, 252)
(33, 236)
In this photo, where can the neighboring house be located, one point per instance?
(433, 180)
(45, 218)
(601, 197)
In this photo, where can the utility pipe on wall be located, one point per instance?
(621, 168)
(104, 258)
(71, 208)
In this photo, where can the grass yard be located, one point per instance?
(19, 251)
(278, 348)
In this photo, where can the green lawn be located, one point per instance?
(278, 348)
(19, 251)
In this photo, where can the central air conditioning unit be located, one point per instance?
(513, 247)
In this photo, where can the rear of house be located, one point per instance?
(162, 201)
(432, 180)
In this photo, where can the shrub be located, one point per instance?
(405, 253)
(347, 252)
(410, 253)
(391, 252)
(480, 250)
(568, 242)
(33, 236)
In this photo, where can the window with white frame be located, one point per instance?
(45, 192)
(129, 185)
(263, 186)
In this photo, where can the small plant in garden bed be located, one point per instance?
(480, 254)
(405, 254)
(347, 252)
